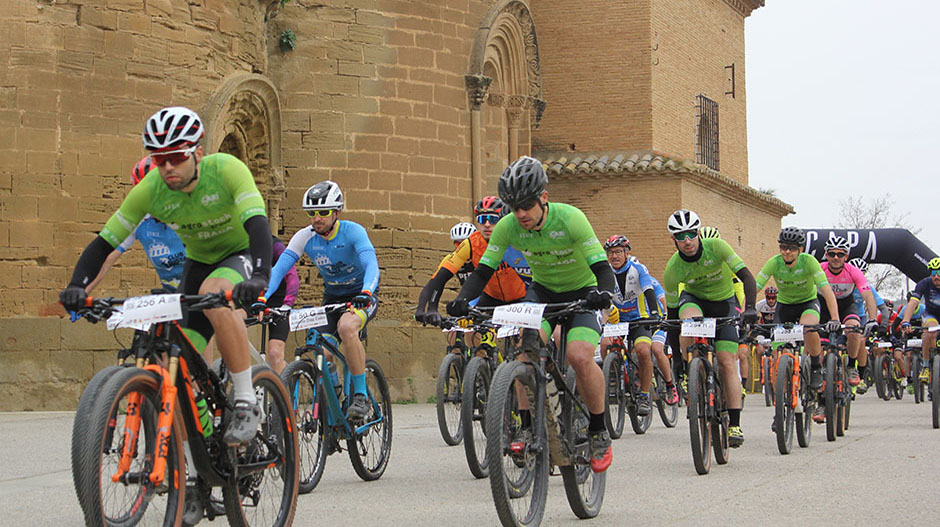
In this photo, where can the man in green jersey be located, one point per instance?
(799, 276)
(568, 263)
(706, 267)
(212, 203)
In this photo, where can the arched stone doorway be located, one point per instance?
(243, 118)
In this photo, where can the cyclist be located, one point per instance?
(880, 304)
(844, 278)
(706, 267)
(164, 248)
(568, 263)
(635, 299)
(285, 295)
(212, 203)
(669, 370)
(768, 306)
(801, 282)
(508, 283)
(458, 233)
(346, 260)
(743, 366)
(895, 329)
(927, 291)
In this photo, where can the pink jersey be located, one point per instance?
(844, 283)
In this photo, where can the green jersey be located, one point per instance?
(797, 284)
(208, 220)
(708, 278)
(560, 254)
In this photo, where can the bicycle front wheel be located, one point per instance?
(719, 421)
(81, 423)
(699, 426)
(473, 413)
(369, 450)
(831, 394)
(449, 384)
(583, 487)
(935, 390)
(767, 370)
(669, 413)
(517, 456)
(266, 490)
(124, 423)
(615, 403)
(804, 419)
(881, 375)
(784, 418)
(308, 402)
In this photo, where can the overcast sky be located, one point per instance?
(842, 99)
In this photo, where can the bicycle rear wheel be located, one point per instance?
(583, 487)
(700, 429)
(804, 418)
(517, 457)
(784, 417)
(935, 390)
(881, 374)
(308, 402)
(615, 403)
(133, 500)
(369, 451)
(767, 373)
(449, 384)
(830, 394)
(669, 413)
(719, 421)
(266, 490)
(473, 414)
(841, 395)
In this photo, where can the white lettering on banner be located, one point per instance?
(306, 318)
(871, 250)
(852, 236)
(698, 328)
(794, 334)
(142, 311)
(620, 329)
(523, 314)
(506, 331)
(811, 236)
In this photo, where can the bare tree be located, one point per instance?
(858, 212)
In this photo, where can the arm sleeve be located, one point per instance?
(651, 303)
(284, 264)
(259, 239)
(605, 276)
(90, 262)
(431, 294)
(750, 288)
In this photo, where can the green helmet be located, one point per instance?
(710, 233)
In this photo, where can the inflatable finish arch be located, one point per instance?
(897, 247)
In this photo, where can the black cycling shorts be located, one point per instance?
(792, 312)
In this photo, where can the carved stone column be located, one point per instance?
(477, 88)
(515, 110)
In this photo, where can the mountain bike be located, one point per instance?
(837, 393)
(669, 413)
(153, 446)
(449, 394)
(622, 378)
(707, 410)
(319, 406)
(887, 371)
(519, 454)
(768, 374)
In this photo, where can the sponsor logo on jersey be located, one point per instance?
(157, 250)
(210, 198)
(556, 234)
(171, 206)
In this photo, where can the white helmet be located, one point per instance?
(172, 127)
(461, 231)
(683, 220)
(837, 242)
(325, 195)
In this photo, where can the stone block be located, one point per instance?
(40, 163)
(355, 69)
(403, 145)
(390, 258)
(397, 162)
(365, 34)
(370, 143)
(376, 88)
(352, 180)
(371, 200)
(421, 165)
(392, 220)
(29, 334)
(135, 22)
(31, 234)
(369, 124)
(411, 239)
(341, 50)
(336, 84)
(448, 96)
(77, 366)
(84, 39)
(327, 140)
(33, 58)
(296, 120)
(374, 19)
(99, 18)
(347, 104)
(25, 367)
(415, 91)
(13, 160)
(415, 128)
(391, 181)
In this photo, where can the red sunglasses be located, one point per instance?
(175, 157)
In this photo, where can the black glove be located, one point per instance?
(597, 299)
(361, 301)
(246, 293)
(833, 326)
(73, 297)
(749, 316)
(433, 318)
(458, 307)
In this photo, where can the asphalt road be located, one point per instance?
(884, 471)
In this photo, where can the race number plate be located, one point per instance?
(142, 311)
(306, 318)
(915, 343)
(884, 345)
(698, 328)
(507, 331)
(794, 334)
(620, 329)
(523, 315)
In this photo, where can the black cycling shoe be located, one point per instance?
(243, 425)
(358, 407)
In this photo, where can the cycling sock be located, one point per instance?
(734, 417)
(596, 423)
(670, 384)
(853, 363)
(744, 382)
(817, 361)
(241, 386)
(359, 383)
(861, 370)
(526, 417)
(645, 394)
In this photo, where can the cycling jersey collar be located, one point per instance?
(695, 257)
(333, 232)
(624, 268)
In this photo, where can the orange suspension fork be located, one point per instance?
(165, 420)
(131, 433)
(795, 392)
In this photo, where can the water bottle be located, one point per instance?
(334, 376)
(204, 416)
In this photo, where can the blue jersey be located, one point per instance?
(164, 249)
(929, 296)
(918, 313)
(346, 260)
(860, 303)
(630, 300)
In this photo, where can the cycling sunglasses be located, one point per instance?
(487, 218)
(837, 254)
(935, 272)
(175, 157)
(789, 247)
(322, 213)
(685, 235)
(526, 205)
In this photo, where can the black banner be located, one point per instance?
(897, 247)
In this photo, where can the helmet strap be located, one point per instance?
(544, 207)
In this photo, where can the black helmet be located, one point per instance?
(522, 181)
(792, 235)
